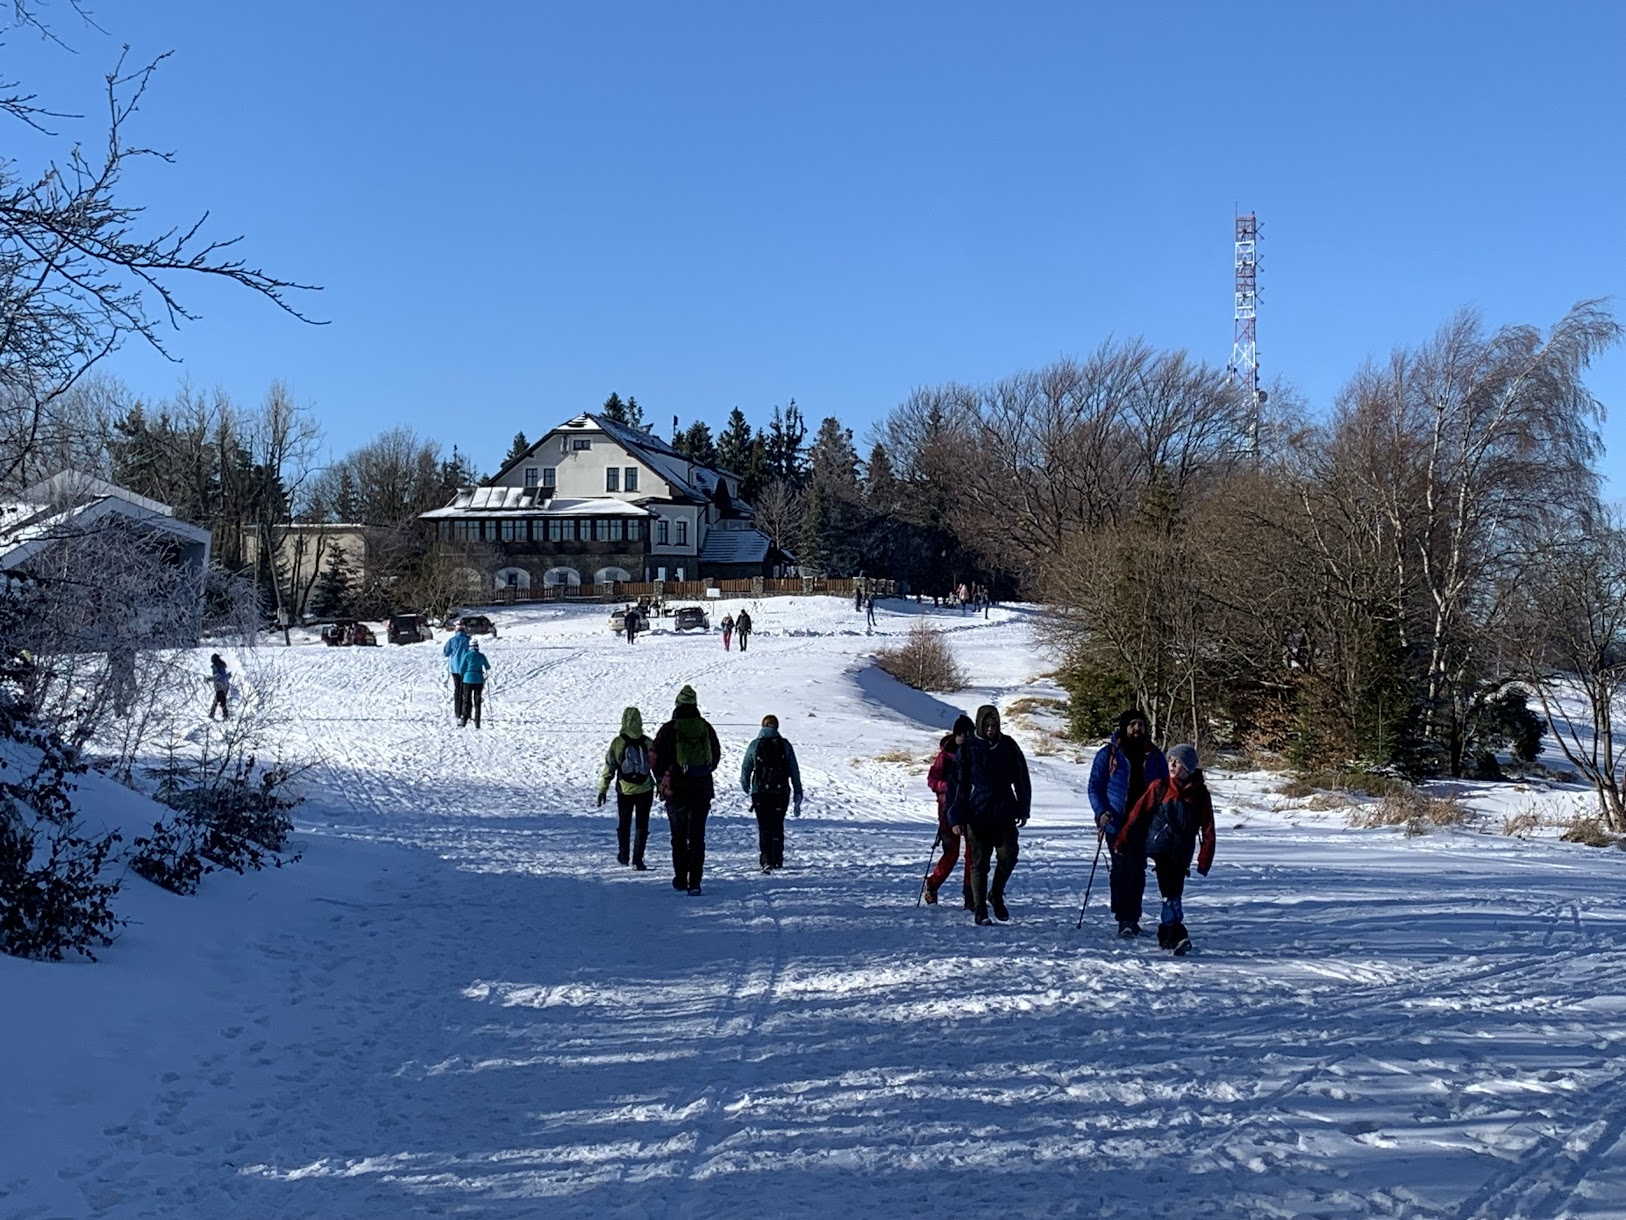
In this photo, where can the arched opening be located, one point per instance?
(555, 578)
(605, 576)
(513, 578)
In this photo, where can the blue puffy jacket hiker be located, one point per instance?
(453, 650)
(628, 761)
(995, 797)
(770, 775)
(472, 669)
(1125, 768)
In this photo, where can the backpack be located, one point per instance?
(634, 768)
(692, 747)
(1173, 828)
(772, 771)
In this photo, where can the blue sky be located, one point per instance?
(516, 208)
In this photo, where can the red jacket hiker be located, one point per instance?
(1197, 808)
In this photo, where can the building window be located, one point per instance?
(660, 532)
(612, 479)
(488, 531)
(466, 531)
(617, 528)
(530, 476)
(635, 531)
(556, 531)
(443, 530)
(683, 533)
(548, 475)
(579, 443)
(631, 481)
(601, 530)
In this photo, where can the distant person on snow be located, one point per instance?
(453, 650)
(473, 674)
(627, 761)
(769, 775)
(994, 798)
(1123, 770)
(220, 679)
(728, 630)
(1173, 815)
(742, 628)
(944, 779)
(869, 606)
(630, 621)
(686, 754)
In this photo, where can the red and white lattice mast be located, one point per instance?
(1245, 345)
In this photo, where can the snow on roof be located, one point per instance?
(529, 502)
(735, 546)
(665, 461)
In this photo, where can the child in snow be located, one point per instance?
(728, 630)
(628, 761)
(944, 779)
(769, 776)
(221, 679)
(473, 673)
(1177, 812)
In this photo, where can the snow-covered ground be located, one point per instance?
(459, 1004)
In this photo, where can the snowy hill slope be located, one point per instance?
(460, 1004)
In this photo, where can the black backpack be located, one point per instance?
(1173, 828)
(772, 771)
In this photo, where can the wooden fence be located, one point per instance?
(696, 590)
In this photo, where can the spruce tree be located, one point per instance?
(635, 415)
(695, 443)
(516, 450)
(734, 445)
(615, 410)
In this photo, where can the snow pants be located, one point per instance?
(1128, 883)
(987, 842)
(473, 693)
(770, 810)
(687, 819)
(457, 697)
(630, 812)
(945, 865)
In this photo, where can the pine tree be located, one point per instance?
(635, 415)
(734, 445)
(834, 488)
(695, 443)
(811, 556)
(786, 433)
(516, 450)
(615, 410)
(331, 594)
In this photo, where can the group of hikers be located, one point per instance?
(678, 763)
(739, 625)
(1147, 807)
(467, 666)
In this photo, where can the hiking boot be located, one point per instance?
(694, 889)
(622, 858)
(1000, 913)
(678, 883)
(1164, 939)
(1127, 930)
(931, 896)
(640, 866)
(970, 902)
(983, 921)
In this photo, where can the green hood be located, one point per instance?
(632, 724)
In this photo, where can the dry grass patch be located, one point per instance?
(1412, 811)
(1589, 832)
(900, 755)
(1027, 705)
(1366, 783)
(1322, 801)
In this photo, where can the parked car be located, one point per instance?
(347, 631)
(689, 618)
(618, 620)
(477, 624)
(408, 629)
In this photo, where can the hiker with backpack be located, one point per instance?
(1123, 770)
(944, 779)
(994, 798)
(742, 628)
(627, 761)
(1175, 814)
(685, 755)
(769, 776)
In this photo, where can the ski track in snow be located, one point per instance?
(460, 1005)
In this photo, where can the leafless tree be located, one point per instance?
(780, 509)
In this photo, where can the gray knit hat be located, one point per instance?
(1186, 756)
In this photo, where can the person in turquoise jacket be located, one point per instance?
(473, 672)
(453, 650)
(770, 774)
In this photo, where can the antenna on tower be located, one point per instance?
(1245, 344)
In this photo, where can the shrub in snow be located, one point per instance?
(923, 661)
(53, 898)
(230, 814)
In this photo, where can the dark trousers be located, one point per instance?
(628, 808)
(687, 819)
(987, 842)
(770, 811)
(1128, 883)
(745, 637)
(473, 692)
(457, 697)
(220, 702)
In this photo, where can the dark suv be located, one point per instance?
(689, 618)
(408, 629)
(477, 624)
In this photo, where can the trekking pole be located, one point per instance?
(929, 858)
(1100, 841)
